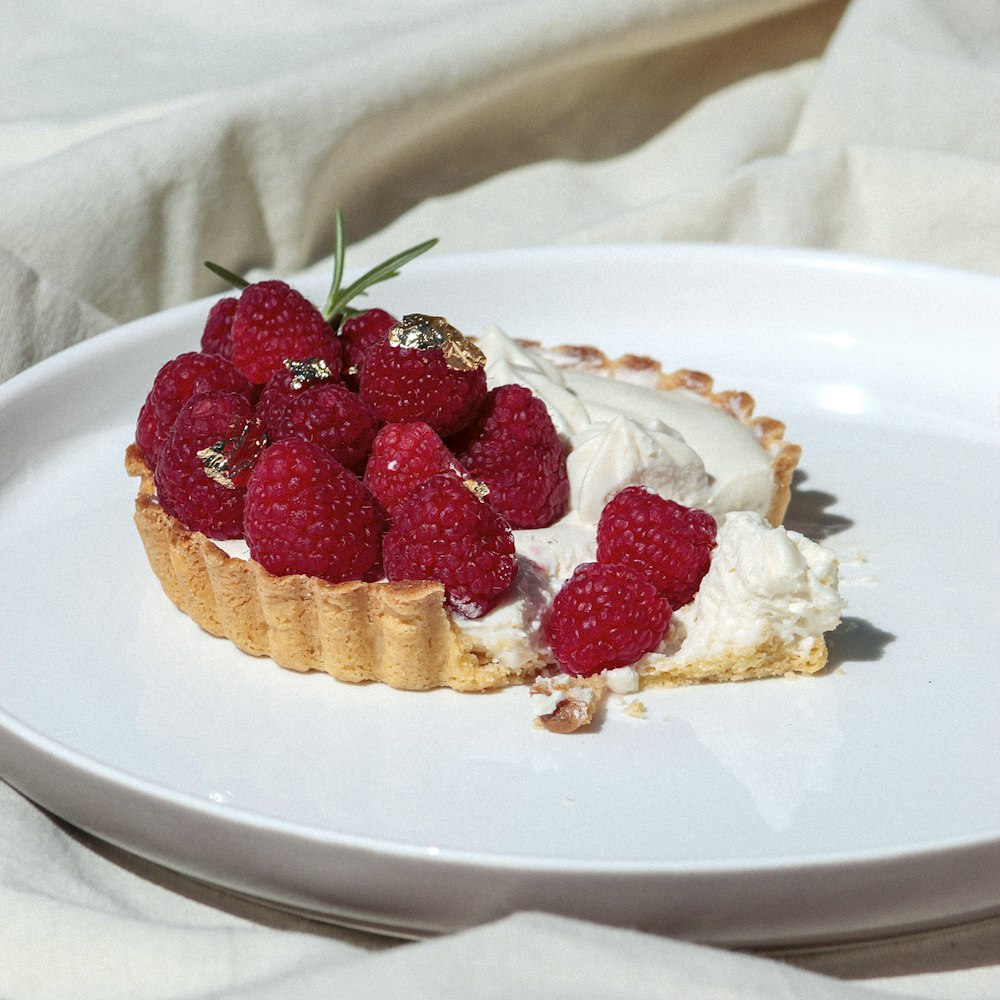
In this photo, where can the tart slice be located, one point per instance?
(408, 506)
(403, 634)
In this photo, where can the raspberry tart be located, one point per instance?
(388, 500)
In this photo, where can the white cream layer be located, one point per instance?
(630, 434)
(763, 581)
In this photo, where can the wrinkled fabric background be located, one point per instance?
(137, 140)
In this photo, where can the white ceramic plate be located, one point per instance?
(858, 802)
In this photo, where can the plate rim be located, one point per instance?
(782, 258)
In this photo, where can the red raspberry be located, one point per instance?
(358, 335)
(305, 513)
(176, 382)
(216, 337)
(147, 433)
(273, 322)
(443, 532)
(203, 495)
(514, 449)
(402, 457)
(604, 616)
(670, 544)
(295, 376)
(330, 415)
(405, 384)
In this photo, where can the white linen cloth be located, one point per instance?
(138, 139)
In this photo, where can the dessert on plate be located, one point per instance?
(385, 499)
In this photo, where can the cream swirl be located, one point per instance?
(738, 469)
(610, 455)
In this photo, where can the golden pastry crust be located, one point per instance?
(771, 658)
(396, 633)
(400, 634)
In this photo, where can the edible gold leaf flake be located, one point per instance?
(477, 488)
(463, 355)
(230, 461)
(426, 332)
(309, 370)
(216, 464)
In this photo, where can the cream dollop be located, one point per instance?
(762, 582)
(738, 469)
(612, 454)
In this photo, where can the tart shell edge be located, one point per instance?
(399, 634)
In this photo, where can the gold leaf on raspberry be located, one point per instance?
(307, 371)
(229, 461)
(477, 488)
(216, 464)
(425, 333)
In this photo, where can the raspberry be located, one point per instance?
(203, 469)
(216, 337)
(273, 322)
(670, 544)
(443, 532)
(295, 376)
(405, 384)
(327, 414)
(174, 384)
(358, 335)
(147, 434)
(306, 513)
(402, 457)
(514, 449)
(604, 616)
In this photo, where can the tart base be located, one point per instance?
(399, 634)
(771, 658)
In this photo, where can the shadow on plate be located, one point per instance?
(858, 641)
(808, 512)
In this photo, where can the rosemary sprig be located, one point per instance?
(234, 279)
(338, 299)
(336, 308)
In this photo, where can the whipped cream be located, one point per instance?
(681, 429)
(510, 634)
(609, 455)
(763, 583)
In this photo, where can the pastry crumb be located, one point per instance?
(636, 709)
(563, 704)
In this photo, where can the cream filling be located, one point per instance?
(631, 433)
(763, 581)
(610, 455)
